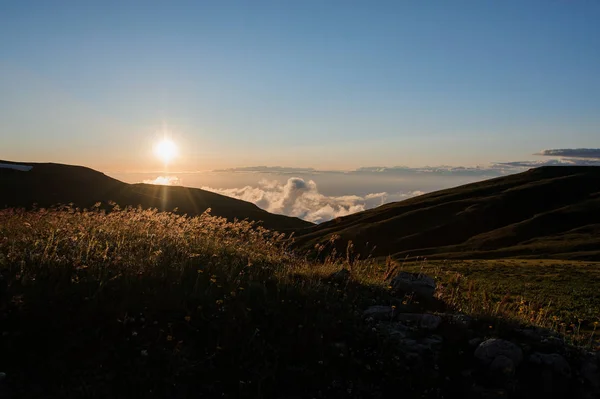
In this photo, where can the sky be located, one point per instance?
(313, 108)
(322, 84)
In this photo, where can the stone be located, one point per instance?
(430, 322)
(409, 317)
(461, 320)
(421, 285)
(553, 361)
(503, 365)
(591, 373)
(489, 350)
(379, 312)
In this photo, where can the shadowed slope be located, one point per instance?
(49, 184)
(549, 211)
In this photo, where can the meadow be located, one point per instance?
(141, 303)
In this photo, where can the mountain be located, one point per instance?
(544, 212)
(47, 184)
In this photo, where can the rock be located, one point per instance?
(430, 322)
(475, 341)
(553, 361)
(394, 330)
(591, 373)
(553, 342)
(503, 365)
(421, 285)
(341, 276)
(379, 312)
(425, 321)
(409, 317)
(432, 342)
(489, 350)
(461, 320)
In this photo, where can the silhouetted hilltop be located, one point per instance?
(48, 184)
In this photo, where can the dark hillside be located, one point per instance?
(49, 184)
(523, 214)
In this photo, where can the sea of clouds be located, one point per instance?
(301, 198)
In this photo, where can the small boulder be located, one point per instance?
(379, 312)
(553, 361)
(503, 365)
(489, 350)
(421, 285)
(591, 373)
(430, 322)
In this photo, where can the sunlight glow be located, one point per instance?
(166, 150)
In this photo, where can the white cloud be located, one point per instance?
(301, 198)
(165, 181)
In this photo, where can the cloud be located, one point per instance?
(593, 153)
(551, 162)
(280, 170)
(301, 198)
(165, 181)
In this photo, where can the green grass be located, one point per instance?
(562, 295)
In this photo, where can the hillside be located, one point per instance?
(544, 212)
(48, 184)
(145, 304)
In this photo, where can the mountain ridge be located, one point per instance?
(48, 184)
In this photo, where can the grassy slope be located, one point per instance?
(567, 290)
(550, 211)
(50, 184)
(144, 304)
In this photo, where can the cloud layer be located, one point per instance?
(165, 181)
(572, 153)
(301, 198)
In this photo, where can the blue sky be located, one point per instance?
(324, 84)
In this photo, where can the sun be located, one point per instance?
(166, 150)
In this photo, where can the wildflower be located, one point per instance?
(213, 280)
(219, 301)
(134, 333)
(169, 338)
(200, 271)
(188, 318)
(144, 352)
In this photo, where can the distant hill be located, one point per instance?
(47, 184)
(544, 212)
